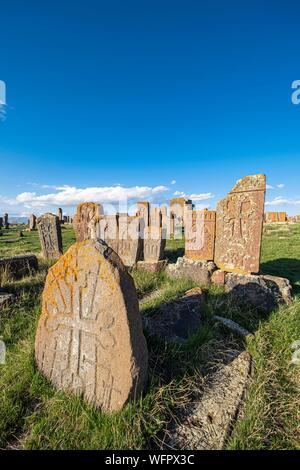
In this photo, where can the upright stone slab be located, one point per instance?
(282, 216)
(154, 244)
(85, 221)
(6, 224)
(50, 236)
(89, 338)
(32, 222)
(129, 243)
(60, 215)
(1, 222)
(239, 226)
(200, 229)
(108, 230)
(155, 217)
(271, 217)
(143, 211)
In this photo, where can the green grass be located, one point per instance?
(33, 415)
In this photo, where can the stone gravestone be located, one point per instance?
(155, 217)
(89, 339)
(1, 222)
(108, 230)
(282, 216)
(60, 215)
(239, 226)
(85, 221)
(32, 222)
(50, 236)
(6, 224)
(154, 243)
(200, 229)
(143, 211)
(129, 242)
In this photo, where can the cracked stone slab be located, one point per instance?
(208, 422)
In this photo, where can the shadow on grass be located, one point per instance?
(284, 267)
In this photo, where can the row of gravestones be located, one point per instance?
(32, 222)
(135, 243)
(89, 338)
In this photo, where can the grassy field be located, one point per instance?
(35, 416)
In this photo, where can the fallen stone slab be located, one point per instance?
(208, 422)
(6, 299)
(177, 320)
(152, 267)
(19, 266)
(259, 291)
(233, 326)
(198, 271)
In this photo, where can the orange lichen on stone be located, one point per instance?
(89, 338)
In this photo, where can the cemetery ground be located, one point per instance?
(33, 415)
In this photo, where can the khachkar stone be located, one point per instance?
(129, 242)
(6, 224)
(85, 221)
(239, 226)
(178, 208)
(154, 244)
(1, 222)
(50, 236)
(200, 229)
(143, 211)
(155, 217)
(89, 338)
(60, 215)
(32, 222)
(108, 230)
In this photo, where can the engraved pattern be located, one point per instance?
(78, 343)
(50, 236)
(200, 234)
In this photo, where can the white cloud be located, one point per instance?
(281, 185)
(268, 186)
(281, 201)
(173, 182)
(70, 196)
(201, 197)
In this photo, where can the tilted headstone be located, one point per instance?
(239, 226)
(18, 266)
(200, 228)
(89, 338)
(85, 221)
(32, 222)
(50, 236)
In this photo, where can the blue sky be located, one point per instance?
(124, 98)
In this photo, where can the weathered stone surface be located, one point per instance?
(155, 217)
(178, 208)
(143, 211)
(6, 299)
(207, 423)
(108, 230)
(200, 230)
(198, 271)
(152, 266)
(176, 321)
(154, 244)
(130, 242)
(239, 226)
(271, 217)
(282, 216)
(233, 326)
(6, 224)
(32, 222)
(1, 222)
(19, 266)
(258, 291)
(50, 236)
(86, 219)
(218, 277)
(60, 215)
(89, 338)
